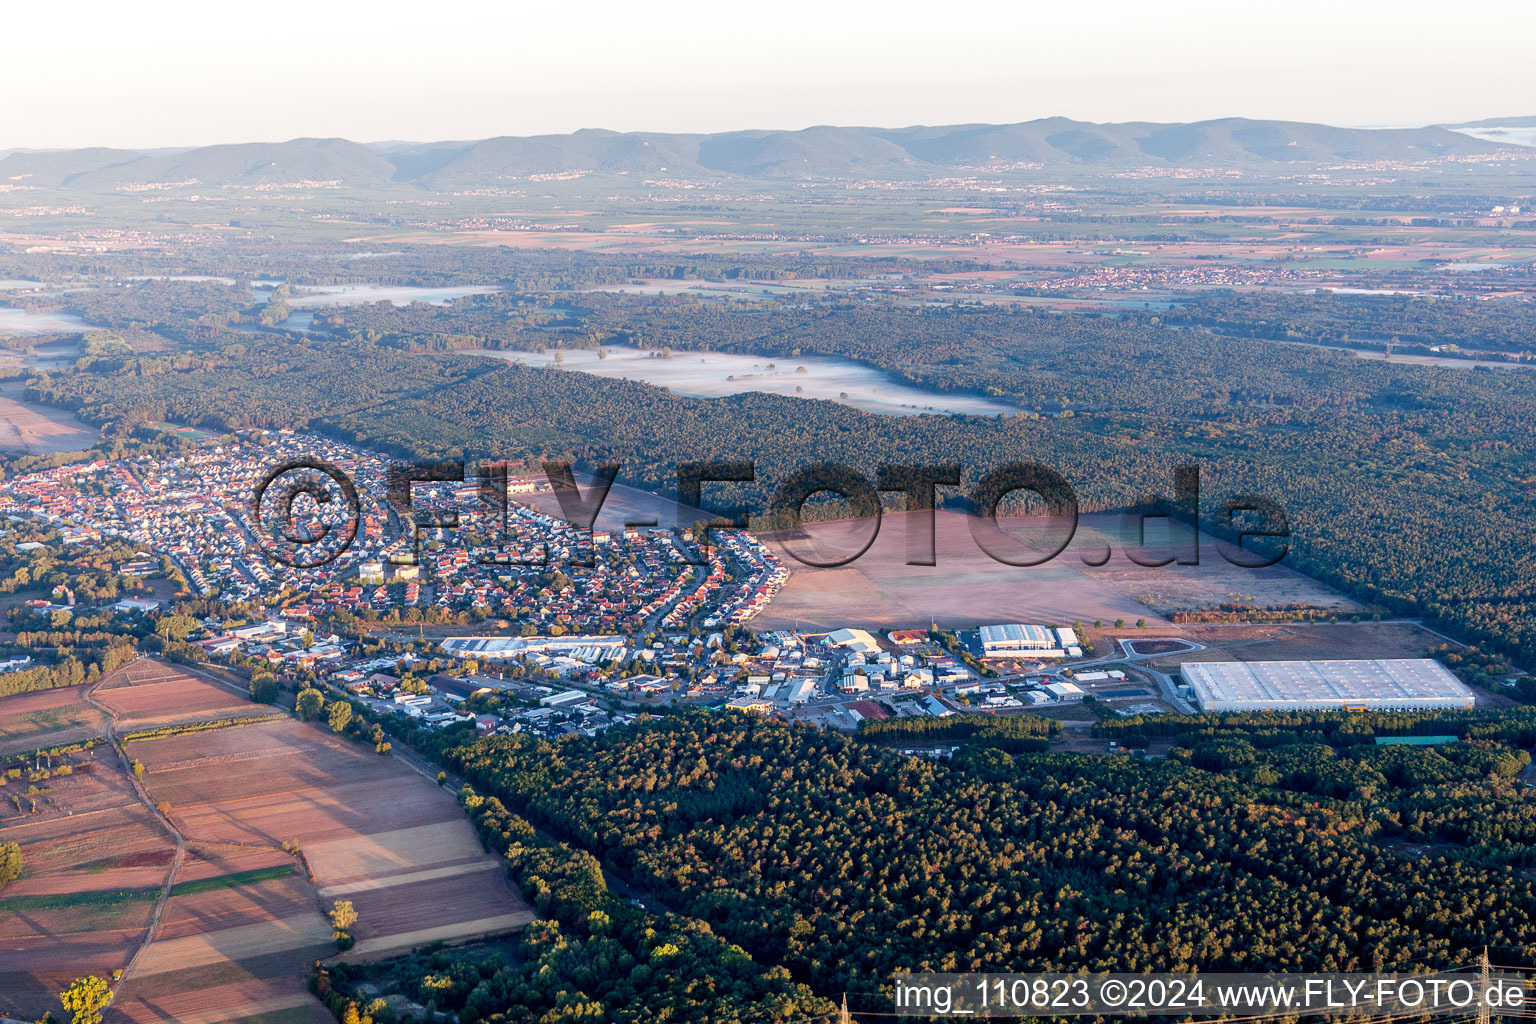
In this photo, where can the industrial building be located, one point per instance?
(591, 649)
(800, 691)
(857, 640)
(561, 700)
(1406, 684)
(1001, 641)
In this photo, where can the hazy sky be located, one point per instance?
(177, 74)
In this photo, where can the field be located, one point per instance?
(968, 588)
(47, 718)
(95, 860)
(1307, 642)
(149, 695)
(1181, 588)
(244, 919)
(371, 830)
(40, 430)
(236, 940)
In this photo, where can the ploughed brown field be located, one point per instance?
(37, 430)
(1307, 642)
(150, 695)
(48, 718)
(967, 587)
(95, 860)
(245, 919)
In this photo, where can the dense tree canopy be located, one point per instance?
(846, 862)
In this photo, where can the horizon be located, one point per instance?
(925, 513)
(194, 77)
(469, 140)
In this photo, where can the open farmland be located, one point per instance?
(150, 695)
(48, 718)
(244, 922)
(95, 861)
(236, 940)
(1163, 590)
(967, 587)
(38, 429)
(1306, 642)
(242, 919)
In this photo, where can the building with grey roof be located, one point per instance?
(1403, 684)
(1010, 639)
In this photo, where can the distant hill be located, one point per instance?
(1517, 131)
(822, 152)
(254, 163)
(1497, 122)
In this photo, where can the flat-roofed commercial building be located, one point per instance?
(1002, 640)
(1404, 684)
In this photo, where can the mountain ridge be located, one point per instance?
(824, 151)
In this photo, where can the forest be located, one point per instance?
(1406, 322)
(593, 956)
(846, 863)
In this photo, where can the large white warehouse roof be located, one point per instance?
(1014, 636)
(1398, 684)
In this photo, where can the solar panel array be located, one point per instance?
(474, 644)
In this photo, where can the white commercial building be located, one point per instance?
(561, 700)
(801, 690)
(857, 640)
(1405, 684)
(999, 641)
(586, 649)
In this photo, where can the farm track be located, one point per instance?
(370, 842)
(143, 794)
(164, 820)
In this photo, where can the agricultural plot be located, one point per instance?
(1215, 582)
(48, 718)
(246, 919)
(95, 862)
(965, 588)
(39, 430)
(149, 695)
(1308, 642)
(236, 940)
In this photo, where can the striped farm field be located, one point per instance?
(212, 917)
(95, 862)
(239, 932)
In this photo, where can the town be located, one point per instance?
(479, 607)
(195, 512)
